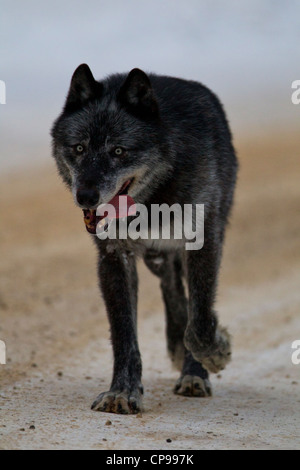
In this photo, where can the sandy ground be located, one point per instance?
(54, 324)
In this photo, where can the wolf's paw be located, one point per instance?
(213, 357)
(122, 402)
(193, 386)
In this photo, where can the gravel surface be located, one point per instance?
(54, 324)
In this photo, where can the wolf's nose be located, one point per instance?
(87, 197)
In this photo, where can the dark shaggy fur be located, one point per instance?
(176, 145)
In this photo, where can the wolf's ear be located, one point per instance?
(83, 88)
(137, 94)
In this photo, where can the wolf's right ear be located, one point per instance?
(83, 88)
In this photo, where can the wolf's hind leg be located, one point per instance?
(168, 267)
(194, 379)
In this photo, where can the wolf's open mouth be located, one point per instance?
(91, 220)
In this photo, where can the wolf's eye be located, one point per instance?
(79, 148)
(118, 151)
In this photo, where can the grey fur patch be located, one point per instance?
(177, 357)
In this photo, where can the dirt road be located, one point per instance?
(54, 324)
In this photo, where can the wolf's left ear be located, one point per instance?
(137, 94)
(83, 88)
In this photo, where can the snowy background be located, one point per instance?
(246, 51)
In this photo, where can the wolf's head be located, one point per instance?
(109, 139)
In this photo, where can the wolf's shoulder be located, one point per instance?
(175, 96)
(166, 87)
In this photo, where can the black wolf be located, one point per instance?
(160, 140)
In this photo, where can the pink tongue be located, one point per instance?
(123, 205)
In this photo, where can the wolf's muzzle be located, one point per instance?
(87, 197)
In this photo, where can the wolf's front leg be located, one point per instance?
(118, 282)
(208, 342)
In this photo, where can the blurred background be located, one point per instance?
(52, 318)
(246, 51)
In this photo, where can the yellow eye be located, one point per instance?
(79, 148)
(118, 151)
